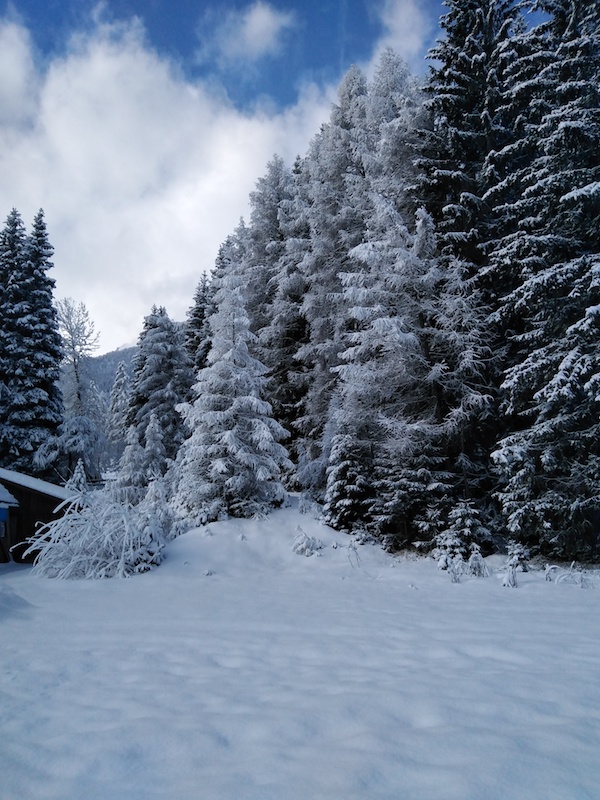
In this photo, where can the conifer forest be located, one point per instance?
(405, 330)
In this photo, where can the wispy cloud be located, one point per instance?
(244, 37)
(409, 29)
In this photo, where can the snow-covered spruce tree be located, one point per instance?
(476, 566)
(462, 87)
(155, 452)
(337, 197)
(411, 382)
(394, 116)
(232, 461)
(139, 466)
(78, 481)
(287, 330)
(550, 459)
(349, 493)
(131, 481)
(446, 404)
(266, 244)
(117, 412)
(162, 378)
(197, 334)
(30, 345)
(373, 294)
(465, 530)
(377, 296)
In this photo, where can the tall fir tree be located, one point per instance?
(462, 89)
(162, 378)
(233, 459)
(287, 330)
(411, 385)
(549, 460)
(118, 408)
(336, 209)
(30, 345)
(197, 333)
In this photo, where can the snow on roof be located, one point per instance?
(6, 498)
(43, 487)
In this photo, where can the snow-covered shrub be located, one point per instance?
(96, 537)
(448, 546)
(78, 480)
(520, 554)
(364, 537)
(510, 576)
(456, 567)
(476, 566)
(307, 505)
(154, 511)
(574, 575)
(305, 545)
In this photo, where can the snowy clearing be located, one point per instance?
(242, 670)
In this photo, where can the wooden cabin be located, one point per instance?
(25, 502)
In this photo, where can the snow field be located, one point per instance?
(349, 675)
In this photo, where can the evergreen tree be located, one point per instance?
(411, 385)
(549, 459)
(373, 294)
(132, 480)
(232, 461)
(30, 344)
(337, 200)
(287, 329)
(162, 378)
(155, 452)
(118, 410)
(197, 334)
(462, 87)
(266, 243)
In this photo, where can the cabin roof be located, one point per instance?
(6, 498)
(35, 484)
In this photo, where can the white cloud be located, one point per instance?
(409, 30)
(141, 173)
(245, 36)
(18, 84)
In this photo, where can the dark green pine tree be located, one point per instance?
(30, 344)
(467, 130)
(462, 88)
(550, 460)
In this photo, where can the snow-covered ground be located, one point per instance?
(240, 670)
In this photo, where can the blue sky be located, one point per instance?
(141, 126)
(295, 42)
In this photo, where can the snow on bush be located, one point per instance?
(476, 566)
(574, 575)
(448, 547)
(97, 537)
(510, 576)
(520, 554)
(305, 545)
